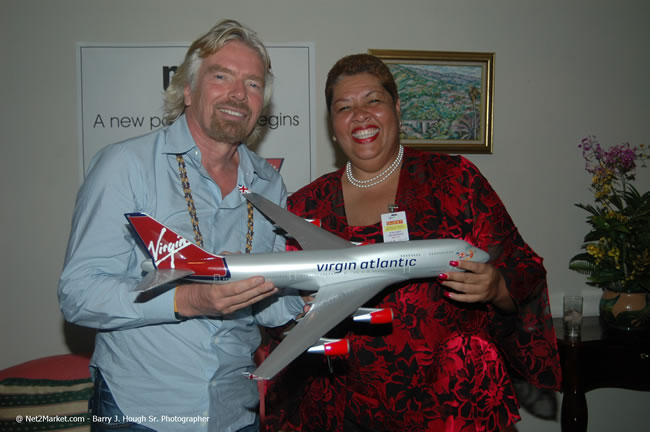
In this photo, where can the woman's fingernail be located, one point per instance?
(453, 263)
(446, 294)
(442, 276)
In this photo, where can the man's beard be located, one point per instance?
(229, 131)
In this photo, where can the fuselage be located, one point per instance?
(310, 270)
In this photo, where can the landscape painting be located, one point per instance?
(445, 98)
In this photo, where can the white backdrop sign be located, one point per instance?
(121, 91)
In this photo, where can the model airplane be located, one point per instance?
(344, 275)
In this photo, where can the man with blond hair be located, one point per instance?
(176, 362)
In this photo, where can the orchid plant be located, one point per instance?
(617, 248)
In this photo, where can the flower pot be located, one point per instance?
(623, 311)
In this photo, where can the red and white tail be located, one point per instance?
(170, 250)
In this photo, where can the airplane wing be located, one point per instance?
(160, 277)
(157, 282)
(333, 303)
(308, 235)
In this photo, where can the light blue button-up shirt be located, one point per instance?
(176, 375)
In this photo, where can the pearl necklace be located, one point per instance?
(382, 176)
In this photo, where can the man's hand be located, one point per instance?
(308, 298)
(221, 299)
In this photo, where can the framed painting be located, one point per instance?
(446, 98)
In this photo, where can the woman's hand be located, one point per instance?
(480, 282)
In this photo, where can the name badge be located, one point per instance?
(394, 227)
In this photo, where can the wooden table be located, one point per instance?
(600, 358)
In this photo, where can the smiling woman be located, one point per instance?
(441, 366)
(365, 119)
(364, 110)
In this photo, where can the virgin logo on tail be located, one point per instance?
(165, 249)
(170, 250)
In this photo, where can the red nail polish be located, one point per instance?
(446, 294)
(453, 263)
(442, 276)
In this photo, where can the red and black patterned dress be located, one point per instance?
(441, 365)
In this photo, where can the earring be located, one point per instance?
(334, 138)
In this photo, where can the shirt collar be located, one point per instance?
(179, 141)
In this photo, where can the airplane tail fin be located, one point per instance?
(168, 249)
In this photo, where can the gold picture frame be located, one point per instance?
(446, 98)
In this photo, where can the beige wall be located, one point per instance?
(564, 69)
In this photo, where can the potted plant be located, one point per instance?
(616, 253)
